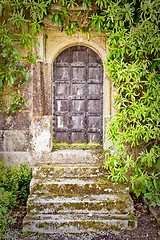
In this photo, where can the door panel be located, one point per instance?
(61, 105)
(77, 96)
(94, 106)
(78, 105)
(78, 90)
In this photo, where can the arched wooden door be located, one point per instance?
(77, 96)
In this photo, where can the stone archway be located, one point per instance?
(43, 110)
(78, 96)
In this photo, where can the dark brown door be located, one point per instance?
(77, 96)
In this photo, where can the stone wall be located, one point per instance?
(16, 130)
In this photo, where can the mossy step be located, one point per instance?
(107, 204)
(72, 156)
(70, 192)
(76, 187)
(78, 223)
(68, 171)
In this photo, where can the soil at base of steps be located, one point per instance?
(146, 230)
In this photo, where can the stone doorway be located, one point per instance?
(31, 131)
(78, 96)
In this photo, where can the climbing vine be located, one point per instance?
(132, 30)
(20, 21)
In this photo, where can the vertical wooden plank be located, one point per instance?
(78, 99)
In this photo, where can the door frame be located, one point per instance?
(51, 48)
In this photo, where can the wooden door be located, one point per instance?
(77, 96)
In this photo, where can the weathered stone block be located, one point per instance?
(55, 170)
(42, 135)
(72, 156)
(17, 141)
(15, 158)
(17, 121)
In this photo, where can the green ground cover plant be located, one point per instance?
(14, 190)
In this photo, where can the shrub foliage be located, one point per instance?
(133, 64)
(14, 190)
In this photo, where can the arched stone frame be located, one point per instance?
(50, 49)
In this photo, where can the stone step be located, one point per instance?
(72, 156)
(106, 204)
(73, 186)
(77, 223)
(52, 170)
(70, 192)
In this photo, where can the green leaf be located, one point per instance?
(27, 76)
(98, 26)
(1, 83)
(53, 20)
(79, 13)
(3, 107)
(59, 21)
(84, 5)
(56, 17)
(1, 9)
(15, 100)
(10, 81)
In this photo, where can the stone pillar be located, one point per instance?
(107, 110)
(42, 105)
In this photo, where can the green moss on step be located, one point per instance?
(65, 145)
